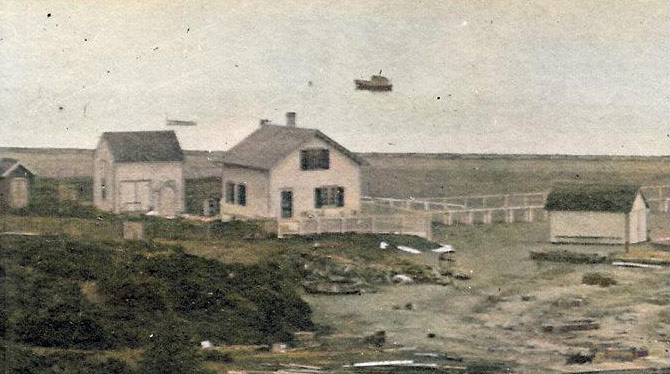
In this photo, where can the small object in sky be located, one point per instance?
(174, 122)
(376, 83)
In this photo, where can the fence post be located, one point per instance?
(402, 224)
(450, 218)
(318, 225)
(342, 225)
(471, 218)
(429, 229)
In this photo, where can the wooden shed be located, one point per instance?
(15, 184)
(597, 214)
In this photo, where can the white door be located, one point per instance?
(18, 193)
(166, 206)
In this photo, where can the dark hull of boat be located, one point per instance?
(363, 85)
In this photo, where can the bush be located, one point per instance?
(598, 279)
(171, 351)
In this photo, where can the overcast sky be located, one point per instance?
(573, 77)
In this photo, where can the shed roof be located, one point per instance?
(593, 197)
(269, 144)
(10, 167)
(144, 146)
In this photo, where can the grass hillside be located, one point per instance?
(63, 294)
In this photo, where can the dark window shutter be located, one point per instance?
(318, 198)
(340, 196)
(242, 194)
(304, 163)
(324, 162)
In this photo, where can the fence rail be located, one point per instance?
(379, 224)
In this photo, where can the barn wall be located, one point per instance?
(257, 186)
(343, 172)
(103, 168)
(587, 227)
(158, 174)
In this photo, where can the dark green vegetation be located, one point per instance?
(198, 190)
(66, 294)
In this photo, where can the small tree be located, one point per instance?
(171, 351)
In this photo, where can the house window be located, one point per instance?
(314, 159)
(242, 194)
(230, 193)
(328, 196)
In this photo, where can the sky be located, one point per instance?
(536, 77)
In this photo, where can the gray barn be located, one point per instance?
(139, 171)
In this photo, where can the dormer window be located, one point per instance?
(314, 159)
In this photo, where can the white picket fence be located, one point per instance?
(379, 224)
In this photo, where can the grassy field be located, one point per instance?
(401, 176)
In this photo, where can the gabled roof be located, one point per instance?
(593, 198)
(269, 144)
(143, 146)
(10, 166)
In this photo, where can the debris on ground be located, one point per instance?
(205, 344)
(636, 265)
(409, 249)
(598, 279)
(383, 245)
(579, 358)
(618, 352)
(444, 249)
(378, 339)
(571, 325)
(569, 302)
(568, 256)
(328, 288)
(528, 298)
(402, 279)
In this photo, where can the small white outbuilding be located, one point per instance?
(597, 214)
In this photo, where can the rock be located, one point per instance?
(377, 339)
(402, 279)
(431, 335)
(579, 358)
(461, 276)
(410, 306)
(528, 298)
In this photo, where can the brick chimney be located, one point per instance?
(290, 119)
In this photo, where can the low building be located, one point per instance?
(597, 214)
(15, 184)
(287, 171)
(139, 171)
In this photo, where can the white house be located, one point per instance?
(287, 171)
(139, 171)
(597, 214)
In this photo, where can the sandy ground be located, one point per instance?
(499, 312)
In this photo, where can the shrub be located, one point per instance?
(598, 279)
(171, 351)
